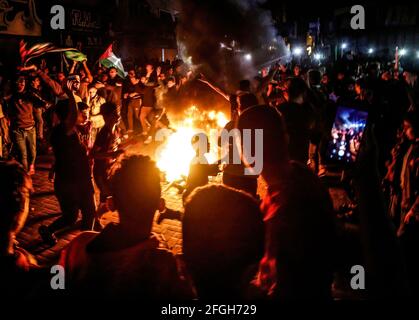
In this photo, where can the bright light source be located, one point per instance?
(370, 50)
(417, 54)
(248, 56)
(344, 45)
(317, 56)
(222, 45)
(403, 52)
(298, 51)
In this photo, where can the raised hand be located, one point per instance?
(28, 68)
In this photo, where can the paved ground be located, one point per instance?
(45, 208)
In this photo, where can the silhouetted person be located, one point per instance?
(125, 260)
(17, 266)
(299, 118)
(222, 242)
(73, 184)
(298, 213)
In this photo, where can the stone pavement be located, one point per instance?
(44, 209)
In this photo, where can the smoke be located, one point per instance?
(227, 40)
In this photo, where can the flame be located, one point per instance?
(221, 119)
(177, 152)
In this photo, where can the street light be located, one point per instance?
(402, 52)
(370, 50)
(344, 45)
(317, 56)
(298, 51)
(248, 56)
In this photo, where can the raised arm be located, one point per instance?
(88, 73)
(266, 80)
(54, 85)
(73, 67)
(215, 88)
(71, 120)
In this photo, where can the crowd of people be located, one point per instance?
(287, 243)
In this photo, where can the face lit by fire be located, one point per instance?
(82, 116)
(149, 68)
(408, 130)
(21, 84)
(75, 82)
(112, 73)
(92, 92)
(36, 83)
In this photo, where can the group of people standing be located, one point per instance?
(287, 245)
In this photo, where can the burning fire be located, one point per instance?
(175, 155)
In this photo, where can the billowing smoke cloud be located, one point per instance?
(227, 39)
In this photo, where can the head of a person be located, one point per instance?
(20, 83)
(83, 114)
(35, 82)
(133, 79)
(386, 76)
(360, 86)
(110, 113)
(149, 67)
(297, 89)
(135, 189)
(244, 85)
(75, 78)
(143, 80)
(325, 79)
(92, 91)
(15, 188)
(411, 125)
(132, 73)
(223, 236)
(104, 77)
(60, 76)
(314, 78)
(246, 100)
(340, 76)
(373, 70)
(272, 149)
(297, 70)
(113, 72)
(282, 67)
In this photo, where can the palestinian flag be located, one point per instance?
(108, 59)
(40, 49)
(75, 55)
